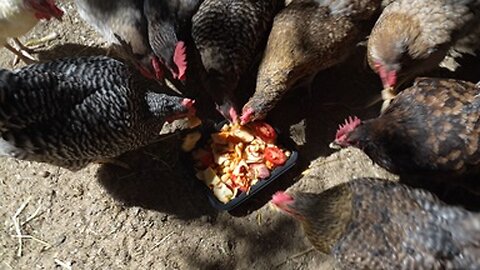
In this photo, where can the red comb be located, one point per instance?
(233, 114)
(180, 59)
(350, 124)
(281, 198)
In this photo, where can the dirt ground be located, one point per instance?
(152, 216)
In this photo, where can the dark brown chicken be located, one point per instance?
(228, 36)
(432, 127)
(307, 36)
(375, 224)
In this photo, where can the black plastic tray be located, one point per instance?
(206, 130)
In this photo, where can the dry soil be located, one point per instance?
(152, 216)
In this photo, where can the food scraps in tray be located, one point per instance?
(237, 157)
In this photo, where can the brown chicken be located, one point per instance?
(374, 224)
(17, 17)
(228, 36)
(415, 36)
(307, 36)
(431, 128)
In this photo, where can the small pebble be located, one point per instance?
(230, 244)
(164, 218)
(60, 240)
(45, 174)
(204, 219)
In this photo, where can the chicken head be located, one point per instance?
(45, 9)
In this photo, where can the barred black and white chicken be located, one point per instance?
(70, 112)
(228, 36)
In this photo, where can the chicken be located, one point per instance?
(228, 36)
(307, 36)
(415, 36)
(17, 17)
(123, 24)
(431, 128)
(169, 23)
(371, 223)
(70, 112)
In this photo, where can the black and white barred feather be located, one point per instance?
(228, 36)
(70, 112)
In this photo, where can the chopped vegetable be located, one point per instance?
(209, 176)
(203, 157)
(223, 193)
(264, 131)
(260, 170)
(275, 156)
(190, 141)
(237, 157)
(243, 135)
(194, 121)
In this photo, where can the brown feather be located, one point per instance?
(415, 36)
(375, 224)
(306, 37)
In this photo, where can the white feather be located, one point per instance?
(15, 19)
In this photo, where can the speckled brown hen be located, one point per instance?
(307, 36)
(431, 128)
(375, 224)
(228, 36)
(415, 36)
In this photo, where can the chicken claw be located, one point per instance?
(20, 54)
(24, 51)
(32, 44)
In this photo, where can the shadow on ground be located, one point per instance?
(155, 181)
(277, 239)
(71, 50)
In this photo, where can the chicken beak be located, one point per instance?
(333, 145)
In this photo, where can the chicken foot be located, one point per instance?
(20, 54)
(24, 51)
